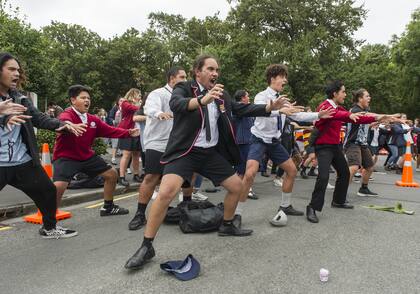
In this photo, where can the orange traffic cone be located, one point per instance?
(407, 175)
(46, 164)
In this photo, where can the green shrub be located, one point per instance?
(45, 136)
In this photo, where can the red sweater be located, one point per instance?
(329, 128)
(127, 112)
(79, 148)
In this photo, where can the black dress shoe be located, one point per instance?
(138, 221)
(311, 215)
(233, 231)
(237, 220)
(123, 182)
(289, 210)
(137, 178)
(142, 255)
(345, 205)
(264, 174)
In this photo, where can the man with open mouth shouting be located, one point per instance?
(201, 141)
(20, 166)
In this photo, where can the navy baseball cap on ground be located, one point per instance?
(183, 270)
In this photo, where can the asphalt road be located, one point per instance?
(366, 251)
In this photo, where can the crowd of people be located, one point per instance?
(187, 130)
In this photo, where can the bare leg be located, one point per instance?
(124, 162)
(110, 177)
(135, 155)
(61, 188)
(248, 179)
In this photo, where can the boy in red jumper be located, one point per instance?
(329, 151)
(74, 154)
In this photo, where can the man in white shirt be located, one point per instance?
(266, 138)
(156, 134)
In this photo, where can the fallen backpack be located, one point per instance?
(200, 216)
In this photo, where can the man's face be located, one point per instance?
(208, 74)
(340, 95)
(365, 100)
(181, 76)
(9, 75)
(82, 102)
(245, 99)
(278, 83)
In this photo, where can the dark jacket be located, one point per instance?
(242, 127)
(39, 120)
(397, 135)
(187, 124)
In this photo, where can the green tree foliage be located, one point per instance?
(315, 39)
(406, 55)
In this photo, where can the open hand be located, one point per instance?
(326, 112)
(76, 129)
(165, 116)
(291, 109)
(7, 107)
(280, 102)
(355, 116)
(215, 93)
(134, 132)
(17, 120)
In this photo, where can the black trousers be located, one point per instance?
(34, 182)
(328, 155)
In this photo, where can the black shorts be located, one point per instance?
(65, 169)
(374, 150)
(129, 144)
(153, 165)
(204, 161)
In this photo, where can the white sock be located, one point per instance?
(239, 208)
(285, 199)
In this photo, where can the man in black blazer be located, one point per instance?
(202, 140)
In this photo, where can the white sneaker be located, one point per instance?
(155, 195)
(417, 169)
(278, 182)
(180, 196)
(129, 171)
(329, 186)
(198, 196)
(113, 161)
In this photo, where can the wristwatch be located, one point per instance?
(199, 100)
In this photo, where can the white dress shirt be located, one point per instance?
(266, 128)
(83, 116)
(214, 131)
(156, 133)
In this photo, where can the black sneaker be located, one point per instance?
(123, 182)
(303, 174)
(252, 195)
(137, 178)
(138, 221)
(365, 192)
(113, 210)
(57, 233)
(289, 210)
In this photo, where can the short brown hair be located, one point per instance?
(274, 70)
(199, 62)
(358, 94)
